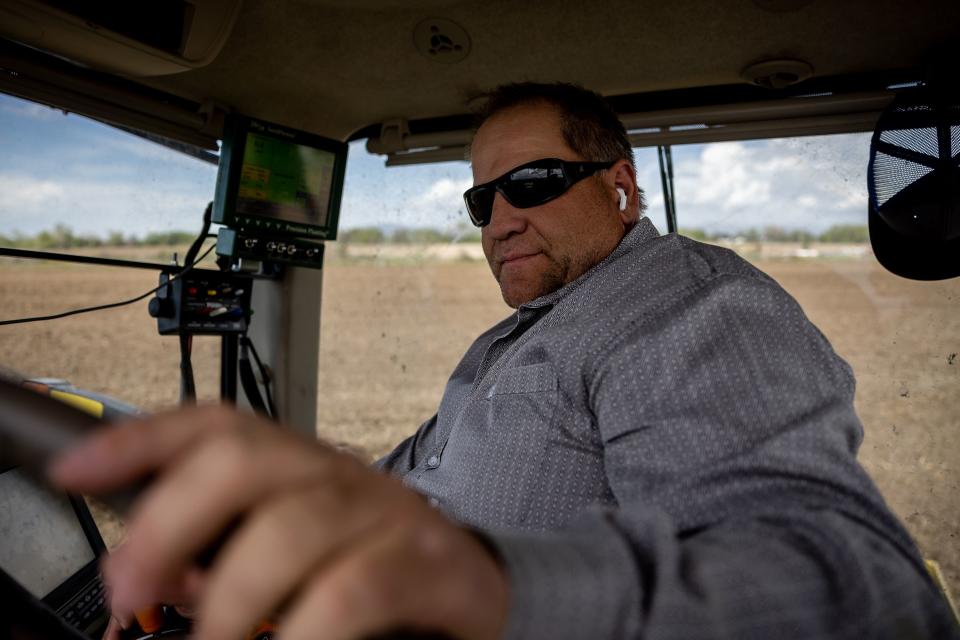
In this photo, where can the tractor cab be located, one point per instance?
(260, 203)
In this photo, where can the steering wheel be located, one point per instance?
(34, 428)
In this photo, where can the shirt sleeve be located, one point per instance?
(729, 440)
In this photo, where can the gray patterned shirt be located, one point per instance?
(665, 448)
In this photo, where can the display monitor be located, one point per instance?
(50, 544)
(277, 181)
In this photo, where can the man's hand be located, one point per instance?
(339, 550)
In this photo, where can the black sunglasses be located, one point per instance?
(528, 185)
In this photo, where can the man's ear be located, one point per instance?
(625, 179)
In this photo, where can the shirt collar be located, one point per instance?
(641, 233)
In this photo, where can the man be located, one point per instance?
(657, 444)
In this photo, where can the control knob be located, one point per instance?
(161, 308)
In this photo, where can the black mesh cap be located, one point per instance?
(914, 185)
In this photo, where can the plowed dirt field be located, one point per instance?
(391, 334)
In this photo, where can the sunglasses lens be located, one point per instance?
(527, 186)
(479, 202)
(532, 186)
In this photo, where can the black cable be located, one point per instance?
(249, 381)
(188, 389)
(204, 233)
(264, 374)
(112, 305)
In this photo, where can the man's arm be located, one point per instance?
(742, 512)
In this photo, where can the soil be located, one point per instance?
(391, 333)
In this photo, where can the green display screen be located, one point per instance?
(285, 181)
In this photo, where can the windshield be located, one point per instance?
(69, 184)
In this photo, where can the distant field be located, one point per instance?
(393, 327)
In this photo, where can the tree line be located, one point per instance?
(845, 233)
(62, 237)
(376, 235)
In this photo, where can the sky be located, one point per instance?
(66, 169)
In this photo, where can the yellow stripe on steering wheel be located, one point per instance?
(86, 405)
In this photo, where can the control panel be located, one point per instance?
(86, 610)
(292, 251)
(202, 302)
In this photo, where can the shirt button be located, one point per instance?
(433, 502)
(433, 462)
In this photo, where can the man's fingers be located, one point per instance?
(118, 455)
(190, 506)
(182, 593)
(113, 629)
(187, 593)
(251, 579)
(365, 592)
(412, 578)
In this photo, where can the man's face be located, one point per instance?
(538, 250)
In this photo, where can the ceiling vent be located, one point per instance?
(441, 40)
(777, 74)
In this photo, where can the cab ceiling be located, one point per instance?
(336, 67)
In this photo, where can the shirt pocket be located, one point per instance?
(521, 407)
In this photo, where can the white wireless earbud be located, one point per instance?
(623, 199)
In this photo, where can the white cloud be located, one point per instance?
(724, 178)
(29, 205)
(440, 204)
(411, 196)
(808, 183)
(445, 192)
(25, 195)
(655, 201)
(31, 110)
